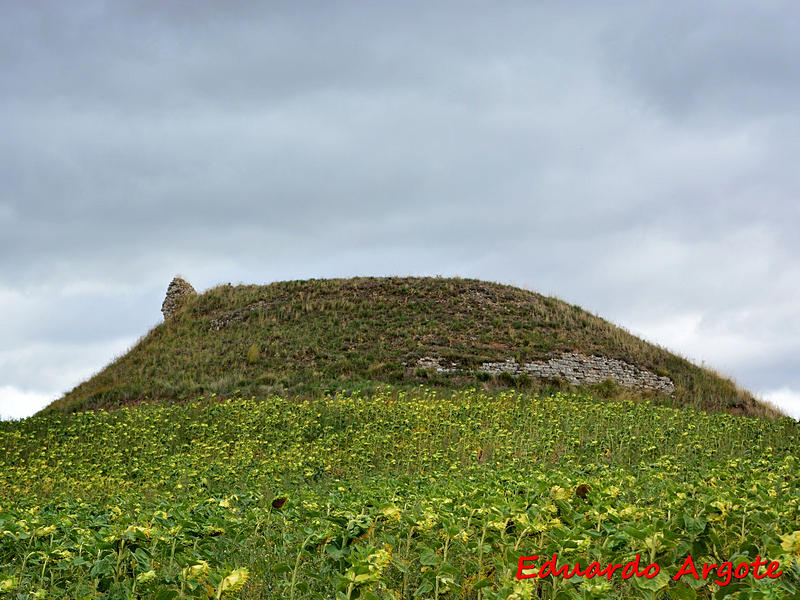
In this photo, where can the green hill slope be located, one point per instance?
(300, 337)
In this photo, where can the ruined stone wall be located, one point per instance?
(575, 368)
(177, 291)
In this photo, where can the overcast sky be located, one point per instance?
(639, 159)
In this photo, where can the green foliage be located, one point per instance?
(396, 494)
(341, 333)
(608, 389)
(506, 379)
(253, 354)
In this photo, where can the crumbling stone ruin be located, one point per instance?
(177, 292)
(235, 316)
(575, 368)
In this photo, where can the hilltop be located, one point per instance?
(303, 337)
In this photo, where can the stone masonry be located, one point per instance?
(177, 292)
(435, 364)
(585, 370)
(234, 316)
(575, 368)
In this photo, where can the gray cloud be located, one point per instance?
(711, 61)
(635, 159)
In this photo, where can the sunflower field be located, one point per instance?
(397, 494)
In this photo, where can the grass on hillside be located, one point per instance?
(300, 337)
(399, 495)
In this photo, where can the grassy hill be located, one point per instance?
(300, 337)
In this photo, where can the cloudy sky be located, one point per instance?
(638, 159)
